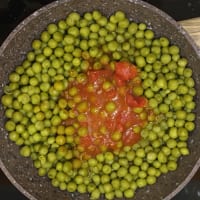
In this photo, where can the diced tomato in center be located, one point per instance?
(110, 115)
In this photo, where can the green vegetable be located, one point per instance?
(36, 106)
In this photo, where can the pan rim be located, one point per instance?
(28, 19)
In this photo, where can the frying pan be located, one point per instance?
(19, 170)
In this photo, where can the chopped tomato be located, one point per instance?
(103, 123)
(125, 70)
(136, 101)
(131, 138)
(94, 75)
(87, 141)
(88, 144)
(118, 80)
(111, 94)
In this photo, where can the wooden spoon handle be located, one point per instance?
(192, 26)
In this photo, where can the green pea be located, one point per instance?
(81, 188)
(151, 58)
(164, 41)
(137, 161)
(151, 180)
(172, 165)
(36, 44)
(139, 43)
(164, 108)
(171, 143)
(184, 151)
(110, 107)
(190, 126)
(130, 155)
(71, 187)
(122, 171)
(151, 156)
(140, 153)
(47, 51)
(13, 136)
(140, 61)
(139, 34)
(7, 100)
(141, 183)
(149, 34)
(105, 178)
(161, 83)
(25, 151)
(142, 174)
(109, 195)
(14, 77)
(106, 169)
(95, 194)
(10, 125)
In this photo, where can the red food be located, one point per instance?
(101, 124)
(125, 70)
(95, 75)
(130, 138)
(136, 101)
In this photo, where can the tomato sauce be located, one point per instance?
(109, 116)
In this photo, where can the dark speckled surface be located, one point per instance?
(23, 172)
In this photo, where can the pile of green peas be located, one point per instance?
(62, 54)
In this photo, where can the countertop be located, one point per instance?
(187, 12)
(192, 26)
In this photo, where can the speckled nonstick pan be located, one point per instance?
(20, 171)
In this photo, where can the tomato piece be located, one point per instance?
(130, 100)
(88, 144)
(142, 101)
(125, 70)
(130, 138)
(135, 101)
(111, 94)
(94, 75)
(118, 80)
(86, 141)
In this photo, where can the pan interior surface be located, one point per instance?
(13, 51)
